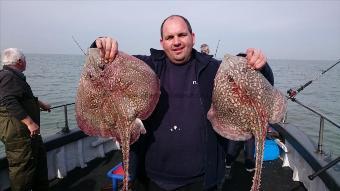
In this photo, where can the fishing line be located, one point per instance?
(292, 92)
(218, 43)
(78, 45)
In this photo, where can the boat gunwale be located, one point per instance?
(302, 144)
(54, 141)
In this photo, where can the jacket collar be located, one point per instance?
(203, 59)
(16, 72)
(157, 54)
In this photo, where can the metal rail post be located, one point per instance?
(66, 129)
(322, 125)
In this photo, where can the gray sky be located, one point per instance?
(282, 29)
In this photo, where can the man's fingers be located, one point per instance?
(99, 44)
(262, 62)
(249, 53)
(108, 48)
(250, 57)
(259, 63)
(253, 56)
(35, 133)
(113, 51)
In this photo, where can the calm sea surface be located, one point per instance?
(54, 79)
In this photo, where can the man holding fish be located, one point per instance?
(181, 150)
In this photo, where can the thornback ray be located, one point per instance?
(243, 103)
(113, 98)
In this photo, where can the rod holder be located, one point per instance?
(66, 129)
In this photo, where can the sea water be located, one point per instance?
(54, 79)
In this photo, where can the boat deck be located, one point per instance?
(93, 178)
(274, 177)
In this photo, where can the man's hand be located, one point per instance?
(44, 106)
(256, 59)
(32, 127)
(108, 48)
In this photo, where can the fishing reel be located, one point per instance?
(292, 93)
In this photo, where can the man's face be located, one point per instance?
(205, 50)
(21, 64)
(177, 41)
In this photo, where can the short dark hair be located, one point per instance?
(180, 16)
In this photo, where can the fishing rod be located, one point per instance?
(218, 43)
(329, 165)
(293, 92)
(78, 45)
